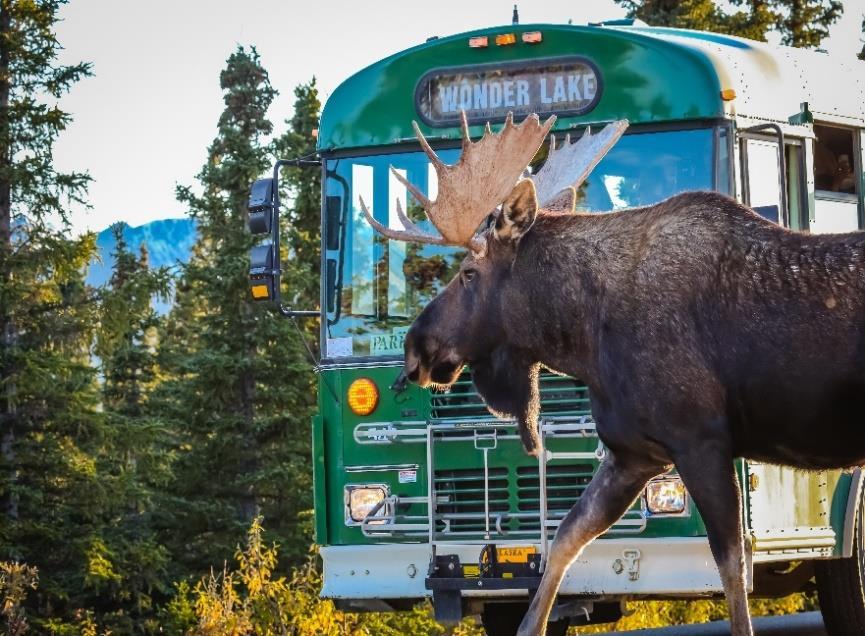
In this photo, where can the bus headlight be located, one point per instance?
(666, 496)
(361, 500)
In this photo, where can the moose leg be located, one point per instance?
(610, 493)
(710, 478)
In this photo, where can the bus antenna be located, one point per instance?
(516, 17)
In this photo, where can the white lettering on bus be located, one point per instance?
(522, 93)
(559, 90)
(465, 96)
(480, 95)
(542, 80)
(448, 98)
(509, 93)
(574, 88)
(590, 86)
(495, 95)
(562, 88)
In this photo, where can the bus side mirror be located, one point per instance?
(261, 279)
(261, 206)
(263, 263)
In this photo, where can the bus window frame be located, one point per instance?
(437, 144)
(780, 140)
(858, 167)
(730, 136)
(805, 148)
(803, 190)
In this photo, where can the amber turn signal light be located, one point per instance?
(362, 396)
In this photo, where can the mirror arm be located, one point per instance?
(288, 312)
(284, 310)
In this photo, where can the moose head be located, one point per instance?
(471, 321)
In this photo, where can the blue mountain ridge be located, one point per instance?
(168, 242)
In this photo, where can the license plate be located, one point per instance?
(519, 554)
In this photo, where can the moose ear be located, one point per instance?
(518, 212)
(566, 201)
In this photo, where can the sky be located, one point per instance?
(143, 122)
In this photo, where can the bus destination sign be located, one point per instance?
(565, 86)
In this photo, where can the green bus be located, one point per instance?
(422, 493)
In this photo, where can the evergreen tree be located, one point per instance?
(802, 23)
(134, 462)
(805, 23)
(303, 210)
(238, 389)
(51, 500)
(753, 22)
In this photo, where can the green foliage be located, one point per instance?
(30, 82)
(237, 389)
(802, 23)
(304, 195)
(647, 614)
(126, 564)
(752, 22)
(252, 599)
(805, 23)
(51, 498)
(16, 580)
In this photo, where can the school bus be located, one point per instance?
(421, 493)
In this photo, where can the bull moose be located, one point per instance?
(703, 332)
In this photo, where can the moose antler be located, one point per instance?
(471, 188)
(571, 164)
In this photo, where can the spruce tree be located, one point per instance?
(753, 22)
(134, 459)
(805, 23)
(303, 207)
(51, 502)
(238, 388)
(801, 23)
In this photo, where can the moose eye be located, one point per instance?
(469, 275)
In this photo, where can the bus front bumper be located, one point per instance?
(607, 568)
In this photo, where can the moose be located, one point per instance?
(703, 332)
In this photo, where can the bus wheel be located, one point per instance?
(503, 619)
(841, 587)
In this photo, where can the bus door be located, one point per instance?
(773, 184)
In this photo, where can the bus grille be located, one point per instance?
(560, 395)
(460, 497)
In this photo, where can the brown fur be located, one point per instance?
(703, 332)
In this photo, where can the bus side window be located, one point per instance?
(836, 205)
(762, 178)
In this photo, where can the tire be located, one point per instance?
(841, 587)
(503, 619)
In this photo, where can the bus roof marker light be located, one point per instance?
(506, 39)
(532, 37)
(479, 42)
(728, 94)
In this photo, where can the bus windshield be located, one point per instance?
(375, 287)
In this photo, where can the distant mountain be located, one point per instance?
(168, 242)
